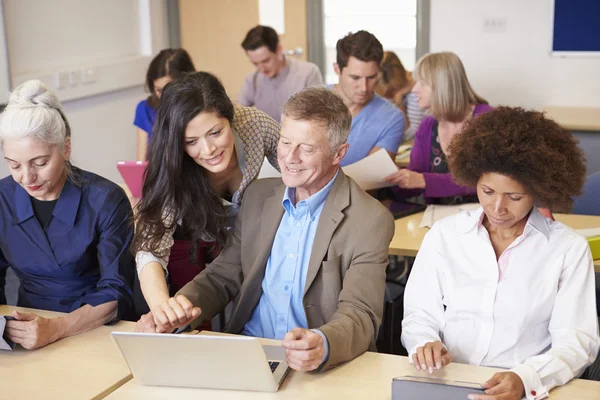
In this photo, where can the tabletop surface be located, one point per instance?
(367, 377)
(576, 118)
(409, 236)
(85, 366)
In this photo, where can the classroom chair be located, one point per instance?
(390, 331)
(589, 202)
(592, 372)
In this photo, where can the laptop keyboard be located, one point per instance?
(274, 365)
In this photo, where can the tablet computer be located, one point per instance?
(418, 388)
(400, 209)
(133, 175)
(5, 342)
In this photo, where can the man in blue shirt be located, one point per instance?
(376, 123)
(306, 259)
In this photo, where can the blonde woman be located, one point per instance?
(395, 83)
(441, 87)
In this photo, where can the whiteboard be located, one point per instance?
(81, 48)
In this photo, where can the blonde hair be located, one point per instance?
(34, 112)
(451, 92)
(392, 75)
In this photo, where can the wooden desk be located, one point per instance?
(367, 377)
(408, 236)
(86, 366)
(576, 118)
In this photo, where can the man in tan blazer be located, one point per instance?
(323, 284)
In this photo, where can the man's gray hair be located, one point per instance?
(321, 105)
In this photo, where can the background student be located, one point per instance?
(204, 154)
(64, 231)
(277, 77)
(441, 87)
(168, 65)
(395, 84)
(376, 123)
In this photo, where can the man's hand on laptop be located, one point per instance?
(175, 313)
(304, 349)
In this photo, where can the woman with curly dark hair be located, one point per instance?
(504, 286)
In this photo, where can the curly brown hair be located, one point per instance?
(525, 145)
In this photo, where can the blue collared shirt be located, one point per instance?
(280, 308)
(81, 257)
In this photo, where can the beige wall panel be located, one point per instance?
(212, 30)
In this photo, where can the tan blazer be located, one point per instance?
(345, 282)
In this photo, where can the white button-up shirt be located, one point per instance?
(533, 310)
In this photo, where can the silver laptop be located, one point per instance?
(202, 361)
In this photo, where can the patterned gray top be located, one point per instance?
(255, 137)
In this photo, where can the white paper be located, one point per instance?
(370, 172)
(589, 232)
(434, 213)
(272, 13)
(268, 171)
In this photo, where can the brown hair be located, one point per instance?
(451, 92)
(321, 105)
(361, 45)
(524, 145)
(260, 36)
(168, 62)
(392, 75)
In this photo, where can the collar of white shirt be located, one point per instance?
(469, 220)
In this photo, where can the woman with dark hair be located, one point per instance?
(64, 231)
(203, 155)
(503, 286)
(168, 65)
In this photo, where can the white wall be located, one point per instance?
(103, 131)
(513, 67)
(102, 125)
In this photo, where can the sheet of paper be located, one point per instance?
(588, 233)
(371, 170)
(435, 212)
(268, 171)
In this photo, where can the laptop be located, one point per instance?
(418, 388)
(400, 209)
(203, 361)
(133, 175)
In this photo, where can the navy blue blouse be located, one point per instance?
(83, 255)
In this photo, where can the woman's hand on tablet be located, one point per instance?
(502, 386)
(431, 356)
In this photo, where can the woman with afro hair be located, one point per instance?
(503, 286)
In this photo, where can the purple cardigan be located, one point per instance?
(436, 185)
